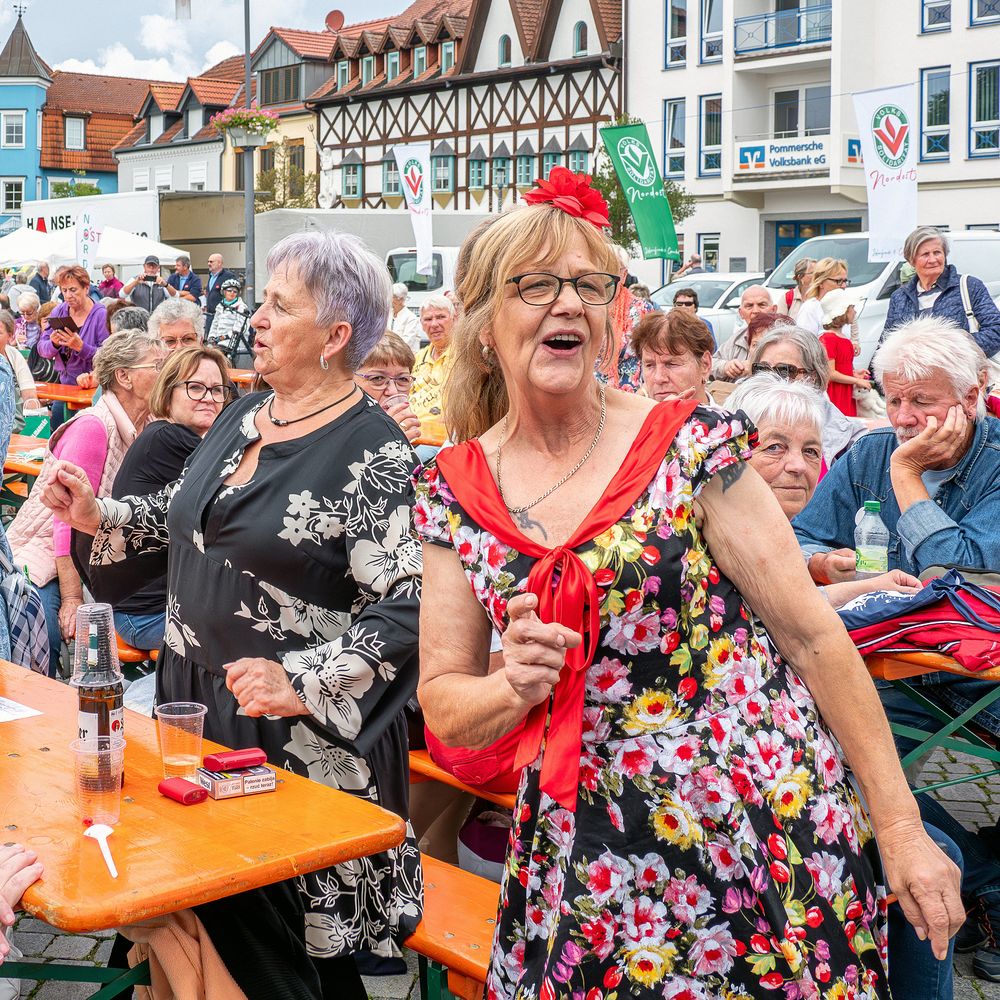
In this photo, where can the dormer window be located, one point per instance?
(580, 39)
(503, 51)
(343, 74)
(391, 65)
(447, 56)
(75, 133)
(280, 86)
(419, 60)
(367, 70)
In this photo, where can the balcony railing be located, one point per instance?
(783, 29)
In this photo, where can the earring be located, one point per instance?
(486, 352)
(323, 363)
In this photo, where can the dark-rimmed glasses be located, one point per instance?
(684, 303)
(198, 391)
(843, 282)
(788, 372)
(402, 382)
(538, 288)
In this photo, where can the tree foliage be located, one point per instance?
(682, 202)
(74, 188)
(285, 185)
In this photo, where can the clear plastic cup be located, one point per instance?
(100, 665)
(388, 402)
(99, 764)
(179, 725)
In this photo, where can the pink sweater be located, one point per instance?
(85, 443)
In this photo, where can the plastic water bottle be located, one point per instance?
(871, 543)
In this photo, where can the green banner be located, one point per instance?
(632, 156)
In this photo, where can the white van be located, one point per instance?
(975, 252)
(402, 265)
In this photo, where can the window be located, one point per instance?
(501, 172)
(280, 86)
(676, 33)
(419, 60)
(447, 56)
(443, 174)
(525, 171)
(985, 12)
(988, 227)
(351, 180)
(802, 111)
(674, 137)
(266, 158)
(38, 129)
(708, 248)
(984, 109)
(239, 175)
(935, 15)
(580, 38)
(578, 161)
(710, 136)
(711, 30)
(549, 160)
(164, 178)
(295, 160)
(503, 51)
(390, 177)
(367, 70)
(477, 175)
(13, 129)
(11, 194)
(140, 180)
(343, 73)
(38, 189)
(935, 113)
(391, 65)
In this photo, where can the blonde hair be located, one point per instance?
(824, 268)
(475, 393)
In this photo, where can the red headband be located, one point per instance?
(572, 194)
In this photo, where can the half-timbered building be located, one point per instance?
(502, 89)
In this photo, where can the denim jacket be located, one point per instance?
(960, 526)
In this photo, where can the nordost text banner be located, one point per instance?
(414, 164)
(88, 238)
(632, 156)
(887, 128)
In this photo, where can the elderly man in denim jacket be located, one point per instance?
(936, 472)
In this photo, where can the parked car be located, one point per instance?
(974, 252)
(402, 265)
(718, 297)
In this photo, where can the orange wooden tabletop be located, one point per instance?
(169, 856)
(899, 666)
(242, 376)
(74, 396)
(23, 466)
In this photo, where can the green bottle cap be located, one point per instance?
(874, 506)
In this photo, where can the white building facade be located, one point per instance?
(751, 104)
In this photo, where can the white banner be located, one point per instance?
(88, 237)
(414, 164)
(887, 126)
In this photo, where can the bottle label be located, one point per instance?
(872, 559)
(89, 724)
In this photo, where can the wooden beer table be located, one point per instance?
(169, 856)
(24, 466)
(242, 376)
(75, 397)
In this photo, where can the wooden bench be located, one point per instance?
(422, 768)
(455, 936)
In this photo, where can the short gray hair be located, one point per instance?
(814, 358)
(183, 258)
(921, 235)
(174, 311)
(122, 350)
(768, 399)
(7, 320)
(347, 282)
(129, 318)
(918, 349)
(438, 302)
(27, 300)
(400, 291)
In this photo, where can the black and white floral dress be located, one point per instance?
(310, 563)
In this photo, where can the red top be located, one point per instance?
(841, 350)
(566, 590)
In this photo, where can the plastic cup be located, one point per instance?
(99, 764)
(98, 618)
(388, 402)
(179, 725)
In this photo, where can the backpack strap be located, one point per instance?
(970, 316)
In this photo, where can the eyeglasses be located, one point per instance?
(788, 372)
(198, 391)
(843, 282)
(155, 365)
(688, 302)
(404, 382)
(538, 288)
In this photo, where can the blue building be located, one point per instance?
(24, 83)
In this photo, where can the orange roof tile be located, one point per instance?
(90, 92)
(212, 92)
(611, 15)
(422, 10)
(170, 133)
(229, 69)
(308, 44)
(103, 132)
(166, 95)
(134, 138)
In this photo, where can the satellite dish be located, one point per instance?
(335, 20)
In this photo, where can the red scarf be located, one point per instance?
(572, 600)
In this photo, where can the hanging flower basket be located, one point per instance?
(246, 127)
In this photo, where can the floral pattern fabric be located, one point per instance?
(310, 563)
(717, 849)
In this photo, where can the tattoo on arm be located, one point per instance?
(731, 473)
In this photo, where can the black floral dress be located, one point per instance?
(716, 849)
(310, 563)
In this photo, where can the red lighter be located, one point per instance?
(183, 791)
(233, 760)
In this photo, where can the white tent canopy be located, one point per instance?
(25, 246)
(117, 246)
(120, 247)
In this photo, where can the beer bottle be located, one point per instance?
(101, 692)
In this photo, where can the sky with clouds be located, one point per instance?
(146, 40)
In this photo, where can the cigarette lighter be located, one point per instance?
(183, 791)
(232, 760)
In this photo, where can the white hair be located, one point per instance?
(400, 291)
(347, 282)
(768, 399)
(176, 311)
(438, 302)
(921, 235)
(27, 300)
(928, 346)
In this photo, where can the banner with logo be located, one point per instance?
(414, 164)
(632, 157)
(889, 137)
(88, 237)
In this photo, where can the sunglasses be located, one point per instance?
(788, 372)
(678, 302)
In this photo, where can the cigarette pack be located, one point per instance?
(242, 781)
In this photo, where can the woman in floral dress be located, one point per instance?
(684, 828)
(293, 591)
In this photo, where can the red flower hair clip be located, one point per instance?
(572, 194)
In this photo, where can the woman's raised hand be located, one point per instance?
(69, 496)
(534, 652)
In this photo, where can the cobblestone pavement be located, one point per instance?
(975, 804)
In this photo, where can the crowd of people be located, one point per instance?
(550, 528)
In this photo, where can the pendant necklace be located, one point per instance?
(288, 423)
